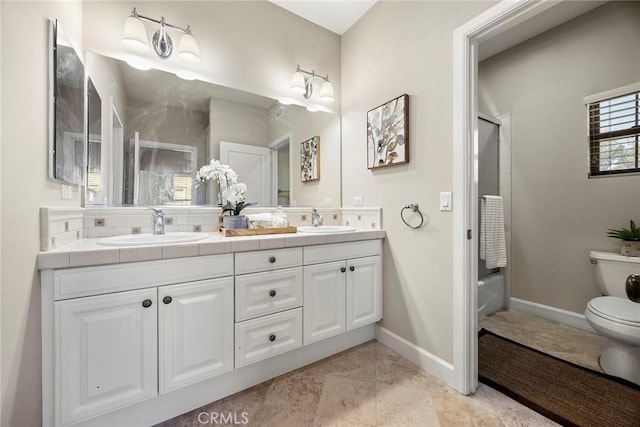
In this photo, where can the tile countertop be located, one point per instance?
(86, 252)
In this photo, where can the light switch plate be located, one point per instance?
(65, 191)
(445, 201)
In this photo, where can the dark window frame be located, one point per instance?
(596, 137)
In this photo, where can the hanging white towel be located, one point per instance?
(493, 246)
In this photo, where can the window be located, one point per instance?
(182, 189)
(614, 135)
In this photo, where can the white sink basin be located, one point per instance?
(326, 229)
(151, 239)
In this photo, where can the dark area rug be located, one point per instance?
(561, 391)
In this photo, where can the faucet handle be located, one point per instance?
(156, 211)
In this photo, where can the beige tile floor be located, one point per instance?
(371, 385)
(571, 344)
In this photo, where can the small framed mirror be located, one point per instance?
(67, 142)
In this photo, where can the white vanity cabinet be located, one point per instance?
(137, 343)
(105, 351)
(342, 288)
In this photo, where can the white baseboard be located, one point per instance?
(419, 356)
(559, 315)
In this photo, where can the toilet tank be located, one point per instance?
(611, 270)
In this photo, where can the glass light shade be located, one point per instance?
(134, 34)
(188, 50)
(139, 64)
(326, 92)
(185, 76)
(297, 83)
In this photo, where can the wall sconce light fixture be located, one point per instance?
(302, 83)
(135, 36)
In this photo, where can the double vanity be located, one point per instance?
(138, 334)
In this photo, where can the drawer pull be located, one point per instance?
(272, 337)
(352, 268)
(147, 303)
(167, 300)
(272, 259)
(272, 293)
(343, 269)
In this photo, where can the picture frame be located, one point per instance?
(310, 159)
(388, 133)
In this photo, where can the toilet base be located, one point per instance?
(621, 360)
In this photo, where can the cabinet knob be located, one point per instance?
(352, 268)
(272, 259)
(272, 337)
(167, 300)
(343, 269)
(147, 303)
(272, 293)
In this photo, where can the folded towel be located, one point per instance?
(493, 246)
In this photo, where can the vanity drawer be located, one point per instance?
(341, 251)
(252, 262)
(85, 281)
(267, 336)
(268, 292)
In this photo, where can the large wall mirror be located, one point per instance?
(66, 109)
(156, 129)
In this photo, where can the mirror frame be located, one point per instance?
(54, 32)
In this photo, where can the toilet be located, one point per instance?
(615, 316)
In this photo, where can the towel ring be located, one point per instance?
(413, 207)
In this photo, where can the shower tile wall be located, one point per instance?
(494, 177)
(488, 171)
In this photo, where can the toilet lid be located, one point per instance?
(617, 309)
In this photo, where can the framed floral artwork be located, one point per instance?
(310, 159)
(388, 133)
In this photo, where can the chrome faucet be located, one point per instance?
(316, 218)
(158, 222)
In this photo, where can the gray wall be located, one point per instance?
(558, 215)
(396, 48)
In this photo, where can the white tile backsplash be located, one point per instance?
(61, 226)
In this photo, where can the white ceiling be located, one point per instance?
(339, 15)
(334, 15)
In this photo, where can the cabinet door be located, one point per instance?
(364, 292)
(196, 332)
(107, 351)
(324, 301)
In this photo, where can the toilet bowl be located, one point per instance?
(619, 321)
(616, 317)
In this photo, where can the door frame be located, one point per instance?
(499, 18)
(275, 146)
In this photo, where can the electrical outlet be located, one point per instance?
(357, 201)
(327, 202)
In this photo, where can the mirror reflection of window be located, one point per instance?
(165, 173)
